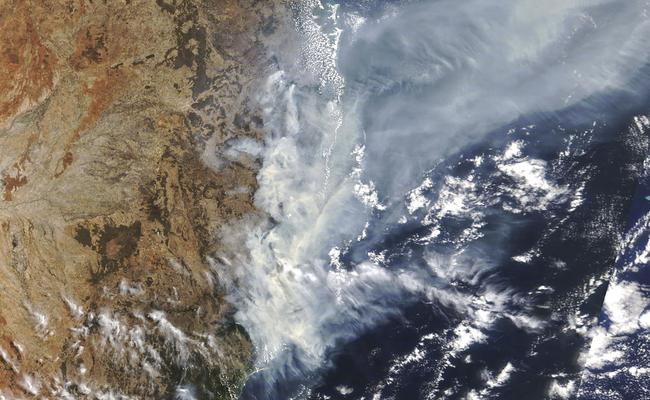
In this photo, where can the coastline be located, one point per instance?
(113, 121)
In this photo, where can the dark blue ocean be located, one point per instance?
(480, 187)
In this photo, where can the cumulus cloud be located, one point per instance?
(346, 156)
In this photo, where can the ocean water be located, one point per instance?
(446, 189)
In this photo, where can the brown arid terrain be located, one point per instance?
(113, 114)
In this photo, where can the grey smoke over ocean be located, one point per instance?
(356, 123)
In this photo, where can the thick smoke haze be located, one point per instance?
(357, 123)
(440, 74)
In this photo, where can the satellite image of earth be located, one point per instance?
(325, 199)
